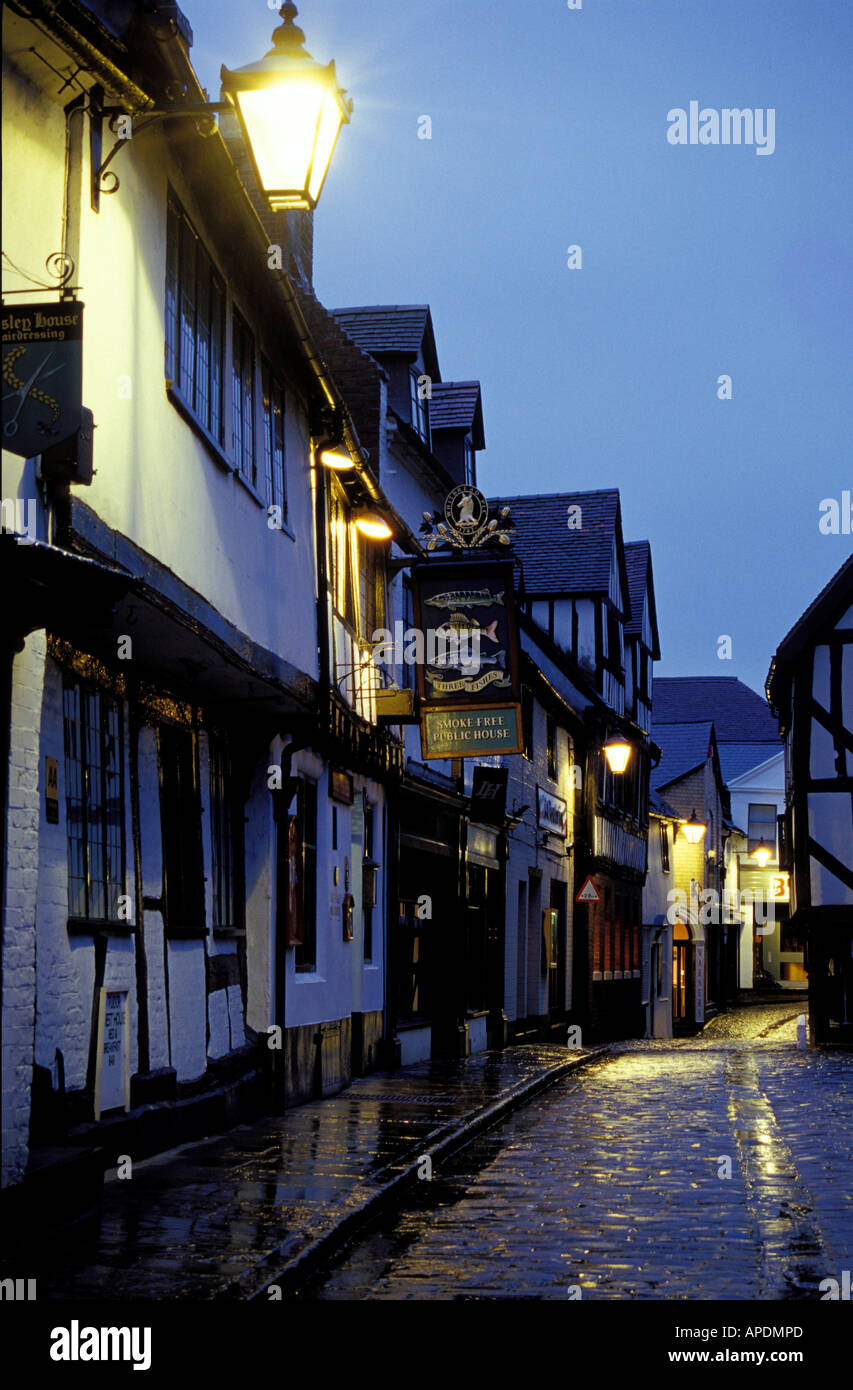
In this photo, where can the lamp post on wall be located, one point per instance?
(290, 110)
(693, 831)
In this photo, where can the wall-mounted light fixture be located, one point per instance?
(618, 754)
(337, 459)
(763, 854)
(372, 525)
(694, 830)
(290, 110)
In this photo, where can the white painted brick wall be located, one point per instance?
(19, 965)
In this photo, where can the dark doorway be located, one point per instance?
(682, 978)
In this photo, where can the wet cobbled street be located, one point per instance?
(711, 1168)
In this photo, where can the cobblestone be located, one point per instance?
(611, 1182)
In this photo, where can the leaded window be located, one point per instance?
(94, 792)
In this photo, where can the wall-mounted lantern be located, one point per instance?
(694, 830)
(618, 754)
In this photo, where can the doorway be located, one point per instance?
(682, 977)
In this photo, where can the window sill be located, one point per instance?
(256, 496)
(229, 933)
(309, 977)
(94, 926)
(250, 487)
(186, 411)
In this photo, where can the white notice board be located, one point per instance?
(112, 1078)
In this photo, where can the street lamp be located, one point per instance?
(617, 753)
(337, 459)
(762, 854)
(291, 110)
(693, 830)
(373, 525)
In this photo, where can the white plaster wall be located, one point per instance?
(155, 481)
(187, 1008)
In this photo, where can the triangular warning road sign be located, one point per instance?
(589, 893)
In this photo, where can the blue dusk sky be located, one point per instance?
(549, 129)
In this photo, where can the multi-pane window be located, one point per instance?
(369, 873)
(226, 840)
(243, 399)
(371, 594)
(664, 847)
(195, 322)
(180, 811)
(306, 812)
(469, 460)
(762, 826)
(273, 398)
(420, 417)
(94, 785)
(551, 747)
(340, 546)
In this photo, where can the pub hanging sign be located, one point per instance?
(42, 375)
(468, 679)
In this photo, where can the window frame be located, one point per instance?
(753, 841)
(226, 826)
(307, 815)
(181, 235)
(551, 748)
(85, 691)
(243, 413)
(271, 383)
(419, 409)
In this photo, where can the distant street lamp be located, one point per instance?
(762, 854)
(617, 753)
(694, 829)
(291, 110)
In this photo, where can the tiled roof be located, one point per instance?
(685, 747)
(637, 557)
(661, 807)
(739, 714)
(456, 405)
(738, 758)
(557, 560)
(380, 328)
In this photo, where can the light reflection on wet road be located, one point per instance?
(704, 1169)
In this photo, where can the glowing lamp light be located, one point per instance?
(338, 459)
(374, 526)
(693, 830)
(617, 753)
(762, 854)
(291, 110)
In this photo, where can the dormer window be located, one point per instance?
(420, 418)
(469, 460)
